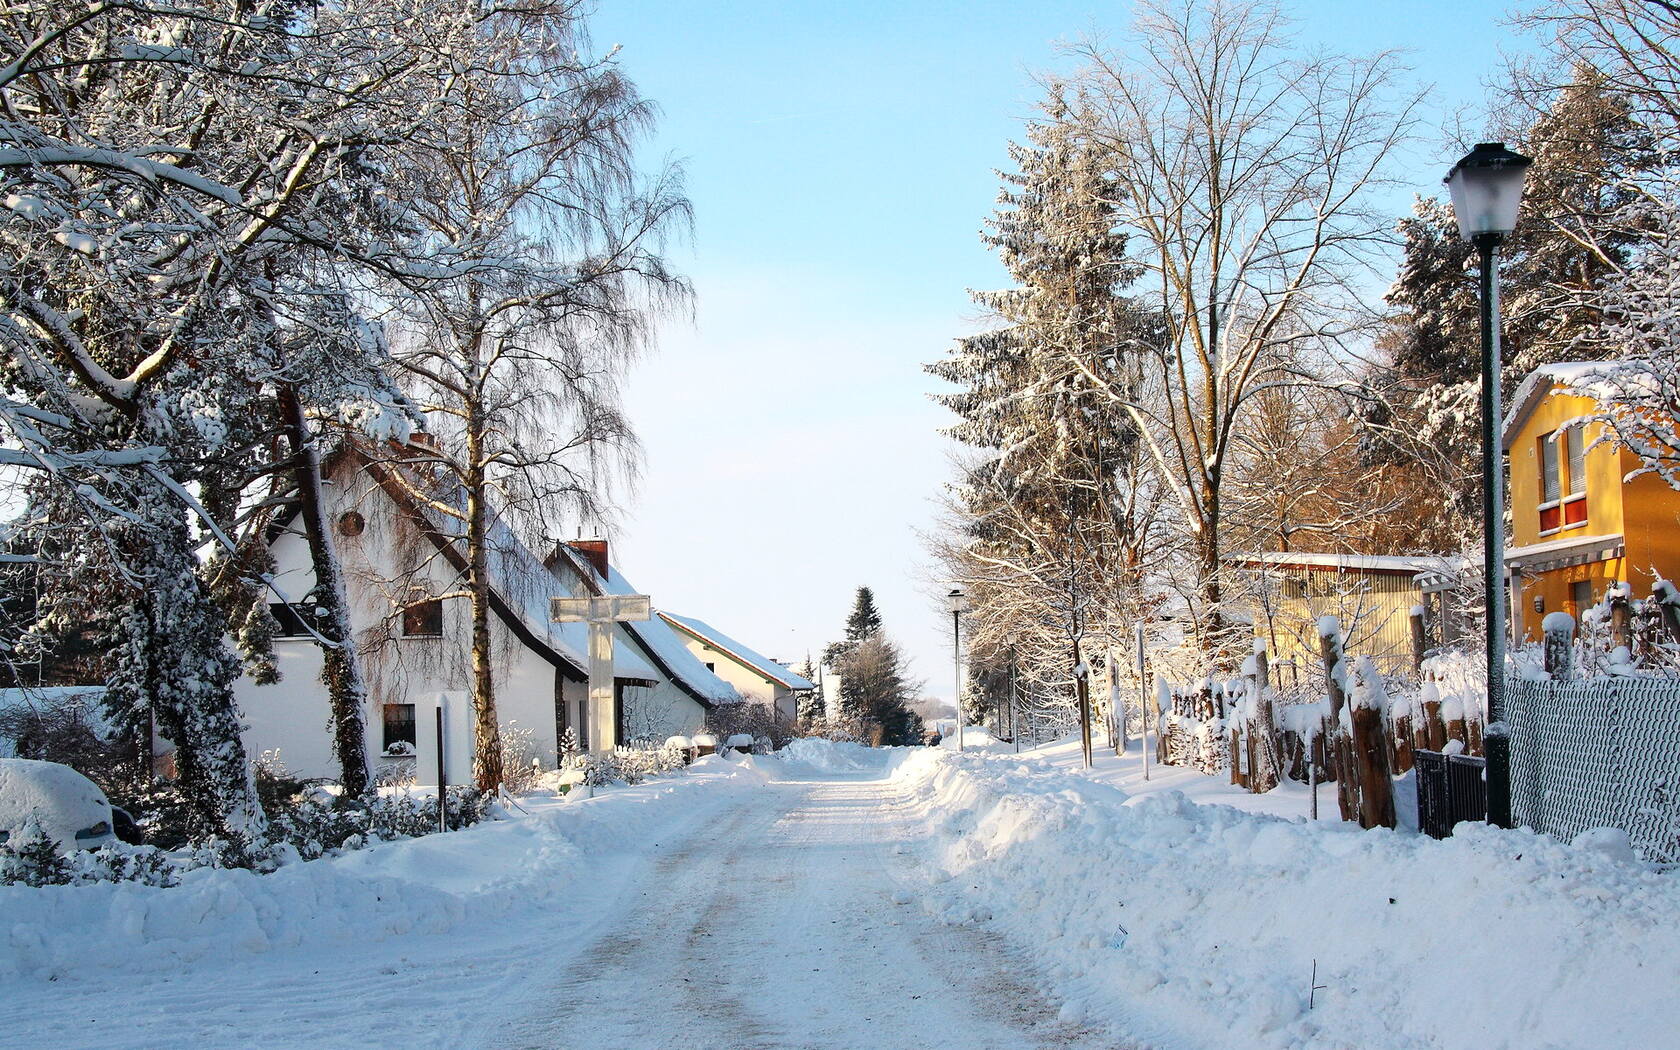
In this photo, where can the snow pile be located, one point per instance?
(818, 755)
(1193, 924)
(494, 871)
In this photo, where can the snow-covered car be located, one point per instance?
(67, 806)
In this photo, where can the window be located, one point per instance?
(423, 618)
(289, 619)
(399, 726)
(711, 667)
(1549, 488)
(1563, 480)
(1575, 447)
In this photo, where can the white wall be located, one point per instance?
(292, 715)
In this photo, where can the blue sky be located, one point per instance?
(841, 159)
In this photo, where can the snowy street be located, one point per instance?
(752, 913)
(838, 896)
(790, 923)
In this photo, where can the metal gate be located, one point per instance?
(1451, 788)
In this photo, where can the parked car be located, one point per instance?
(69, 807)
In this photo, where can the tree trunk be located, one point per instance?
(487, 732)
(341, 671)
(175, 659)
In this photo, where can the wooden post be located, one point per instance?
(1621, 621)
(1419, 638)
(1330, 650)
(1559, 645)
(1370, 753)
(1236, 760)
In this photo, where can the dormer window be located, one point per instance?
(1563, 480)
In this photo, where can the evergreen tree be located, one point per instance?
(1581, 226)
(863, 622)
(875, 688)
(812, 705)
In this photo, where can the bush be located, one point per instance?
(755, 720)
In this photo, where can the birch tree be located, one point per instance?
(548, 247)
(165, 170)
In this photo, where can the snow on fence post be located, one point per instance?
(1621, 617)
(1372, 776)
(1667, 598)
(1559, 646)
(1336, 686)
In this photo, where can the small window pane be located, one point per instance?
(289, 619)
(1549, 489)
(424, 619)
(1577, 461)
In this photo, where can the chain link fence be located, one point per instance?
(1598, 753)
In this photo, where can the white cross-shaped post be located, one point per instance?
(600, 613)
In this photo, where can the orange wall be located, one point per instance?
(1652, 527)
(1604, 474)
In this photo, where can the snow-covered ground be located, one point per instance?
(841, 897)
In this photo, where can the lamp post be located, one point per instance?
(957, 603)
(1486, 186)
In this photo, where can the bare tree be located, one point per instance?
(548, 247)
(1241, 168)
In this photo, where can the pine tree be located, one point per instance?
(812, 705)
(863, 622)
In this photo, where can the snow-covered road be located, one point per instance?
(790, 924)
(838, 896)
(740, 906)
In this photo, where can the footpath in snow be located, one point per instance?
(840, 897)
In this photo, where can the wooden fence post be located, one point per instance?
(1335, 678)
(1419, 638)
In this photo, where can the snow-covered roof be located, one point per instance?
(528, 585)
(1570, 550)
(715, 638)
(1580, 378)
(658, 637)
(1409, 565)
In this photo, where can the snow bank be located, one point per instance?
(1196, 925)
(426, 885)
(817, 755)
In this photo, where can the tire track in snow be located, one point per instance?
(777, 927)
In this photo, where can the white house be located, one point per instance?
(677, 699)
(411, 624)
(757, 678)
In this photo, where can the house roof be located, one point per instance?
(663, 646)
(520, 585)
(761, 665)
(1579, 378)
(1376, 564)
(1572, 550)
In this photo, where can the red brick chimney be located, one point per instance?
(595, 551)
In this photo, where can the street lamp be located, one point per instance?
(1486, 186)
(957, 603)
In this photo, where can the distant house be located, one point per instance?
(1577, 524)
(1372, 596)
(411, 624)
(757, 678)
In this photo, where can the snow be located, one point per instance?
(1350, 562)
(833, 895)
(1191, 925)
(55, 799)
(720, 641)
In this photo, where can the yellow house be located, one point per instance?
(1577, 525)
